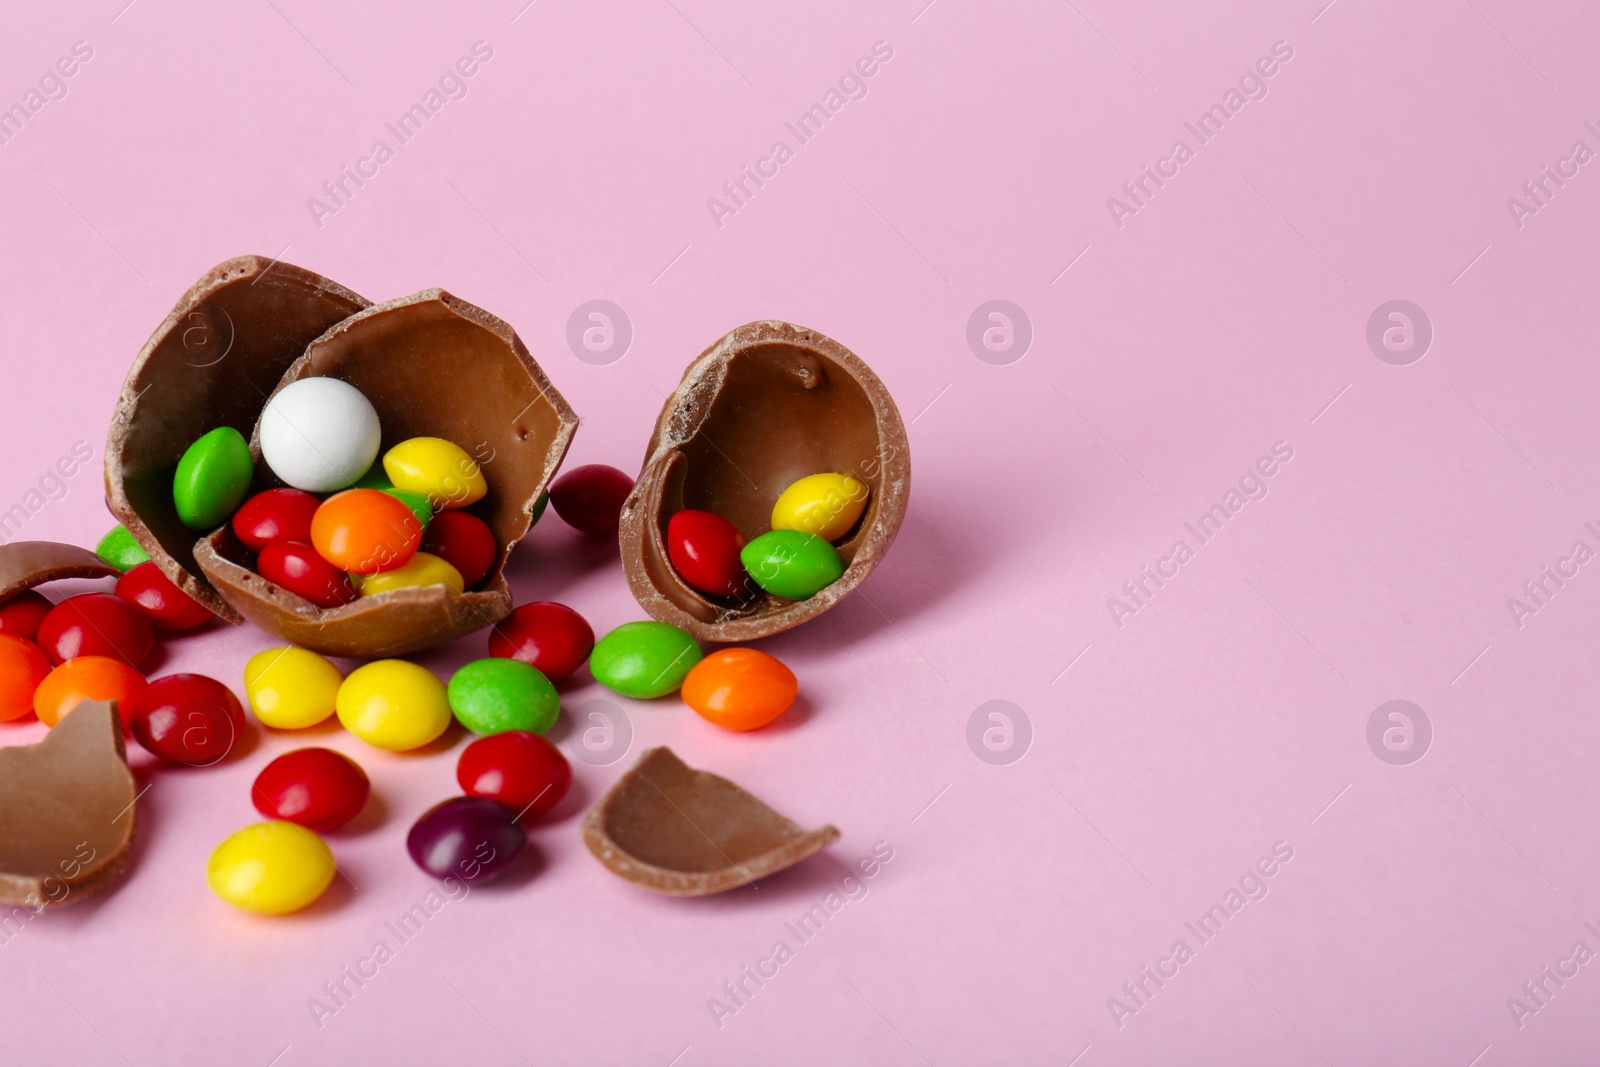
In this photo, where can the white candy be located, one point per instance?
(320, 434)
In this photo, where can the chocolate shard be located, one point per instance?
(432, 365)
(25, 564)
(66, 810)
(675, 830)
(211, 363)
(767, 405)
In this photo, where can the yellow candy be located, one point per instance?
(291, 688)
(827, 505)
(423, 569)
(437, 469)
(271, 868)
(393, 704)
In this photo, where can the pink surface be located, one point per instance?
(1171, 748)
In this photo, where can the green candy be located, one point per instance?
(119, 549)
(213, 479)
(376, 478)
(538, 508)
(643, 659)
(491, 696)
(792, 563)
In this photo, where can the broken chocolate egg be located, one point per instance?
(213, 362)
(25, 564)
(670, 828)
(767, 405)
(433, 366)
(66, 810)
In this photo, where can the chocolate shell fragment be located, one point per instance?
(66, 811)
(675, 830)
(767, 405)
(25, 564)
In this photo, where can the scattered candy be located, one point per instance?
(423, 568)
(212, 478)
(464, 541)
(393, 704)
(643, 659)
(275, 515)
(492, 695)
(740, 688)
(119, 549)
(168, 608)
(469, 838)
(520, 770)
(291, 688)
(22, 667)
(792, 564)
(319, 434)
(315, 787)
(827, 505)
(186, 718)
(96, 624)
(549, 636)
(271, 868)
(705, 550)
(86, 678)
(437, 469)
(299, 569)
(21, 615)
(365, 531)
(590, 498)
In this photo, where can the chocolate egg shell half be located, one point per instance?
(212, 363)
(25, 564)
(433, 366)
(765, 406)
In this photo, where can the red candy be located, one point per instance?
(275, 515)
(520, 770)
(463, 541)
(186, 718)
(316, 787)
(590, 498)
(96, 624)
(21, 615)
(705, 550)
(166, 606)
(551, 637)
(297, 568)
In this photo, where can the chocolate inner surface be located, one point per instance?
(25, 564)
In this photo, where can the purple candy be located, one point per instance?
(469, 838)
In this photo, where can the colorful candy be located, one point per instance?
(22, 667)
(469, 838)
(493, 695)
(212, 479)
(119, 549)
(271, 868)
(643, 659)
(590, 498)
(437, 469)
(21, 615)
(319, 434)
(317, 788)
(522, 771)
(291, 688)
(549, 636)
(704, 548)
(827, 505)
(791, 563)
(275, 515)
(168, 608)
(299, 569)
(393, 704)
(423, 568)
(96, 624)
(365, 531)
(464, 541)
(86, 678)
(186, 718)
(740, 688)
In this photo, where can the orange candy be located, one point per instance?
(740, 688)
(86, 678)
(22, 667)
(365, 531)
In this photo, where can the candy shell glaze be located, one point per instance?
(432, 366)
(767, 405)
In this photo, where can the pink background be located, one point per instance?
(1228, 714)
